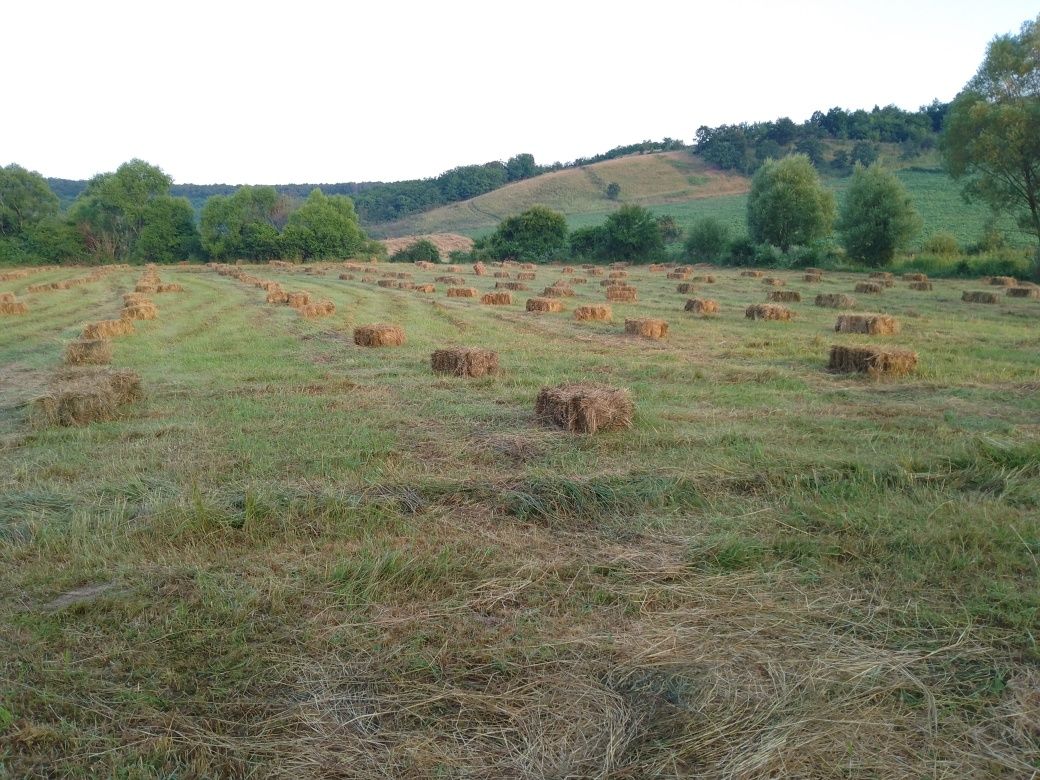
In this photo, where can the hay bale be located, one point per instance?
(836, 301)
(144, 287)
(315, 310)
(812, 278)
(544, 304)
(368, 279)
(557, 291)
(883, 275)
(378, 335)
(872, 324)
(706, 279)
(140, 311)
(594, 311)
(277, 296)
(594, 271)
(768, 311)
(686, 288)
(567, 269)
(585, 407)
(679, 275)
(617, 275)
(298, 299)
(647, 327)
(7, 297)
(502, 275)
(702, 306)
(978, 296)
(621, 293)
(464, 361)
(389, 283)
(915, 277)
(517, 286)
(1023, 292)
(107, 329)
(425, 288)
(480, 269)
(526, 276)
(784, 296)
(346, 277)
(869, 288)
(920, 286)
(451, 281)
(94, 352)
(497, 298)
(82, 400)
(12, 308)
(875, 361)
(1003, 281)
(774, 282)
(753, 274)
(462, 292)
(579, 280)
(171, 287)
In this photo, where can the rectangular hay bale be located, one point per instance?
(585, 407)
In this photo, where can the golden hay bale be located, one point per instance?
(883, 275)
(144, 287)
(579, 280)
(873, 324)
(95, 352)
(702, 306)
(480, 269)
(679, 275)
(392, 283)
(915, 277)
(10, 276)
(614, 283)
(836, 301)
(595, 271)
(526, 276)
(38, 288)
(979, 297)
(378, 335)
(594, 311)
(13, 307)
(567, 269)
(462, 292)
(7, 297)
(85, 399)
(455, 269)
(464, 361)
(686, 288)
(647, 327)
(277, 296)
(425, 288)
(812, 278)
(706, 279)
(872, 360)
(106, 329)
(497, 298)
(518, 286)
(314, 310)
(298, 299)
(753, 274)
(502, 275)
(869, 288)
(171, 287)
(585, 407)
(1003, 281)
(544, 304)
(920, 285)
(1023, 292)
(347, 277)
(618, 275)
(450, 280)
(140, 311)
(368, 279)
(768, 311)
(774, 282)
(557, 291)
(528, 266)
(621, 293)
(784, 296)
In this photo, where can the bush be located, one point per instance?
(941, 244)
(706, 241)
(632, 233)
(537, 235)
(742, 251)
(587, 243)
(877, 216)
(423, 249)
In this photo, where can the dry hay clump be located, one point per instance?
(679, 275)
(462, 292)
(594, 271)
(768, 311)
(875, 361)
(872, 324)
(870, 288)
(835, 301)
(378, 335)
(425, 288)
(702, 306)
(402, 275)
(544, 304)
(464, 361)
(526, 276)
(579, 280)
(277, 296)
(94, 352)
(298, 299)
(7, 297)
(388, 283)
(10, 276)
(518, 286)
(618, 275)
(883, 275)
(657, 267)
(1003, 281)
(497, 298)
(450, 280)
(774, 282)
(915, 277)
(557, 291)
(528, 266)
(87, 398)
(812, 278)
(922, 286)
(685, 288)
(594, 311)
(706, 279)
(585, 407)
(368, 279)
(480, 269)
(142, 310)
(621, 293)
(10, 305)
(502, 275)
(753, 274)
(346, 277)
(978, 296)
(647, 327)
(315, 310)
(169, 287)
(784, 296)
(1023, 292)
(106, 329)
(567, 269)
(146, 287)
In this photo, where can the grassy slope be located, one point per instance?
(319, 560)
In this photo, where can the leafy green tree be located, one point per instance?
(323, 228)
(613, 191)
(25, 200)
(631, 233)
(706, 240)
(537, 235)
(423, 249)
(991, 141)
(668, 228)
(587, 242)
(522, 166)
(169, 234)
(877, 217)
(788, 205)
(246, 225)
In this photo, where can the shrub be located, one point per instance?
(707, 240)
(421, 250)
(941, 244)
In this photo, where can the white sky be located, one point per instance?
(307, 91)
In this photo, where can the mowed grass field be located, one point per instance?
(298, 557)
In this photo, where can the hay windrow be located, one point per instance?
(596, 311)
(315, 310)
(647, 327)
(464, 361)
(298, 299)
(836, 301)
(876, 361)
(497, 299)
(585, 407)
(378, 335)
(544, 304)
(107, 329)
(94, 352)
(462, 292)
(13, 308)
(869, 288)
(979, 296)
(1023, 292)
(784, 296)
(702, 306)
(83, 399)
(768, 311)
(277, 297)
(872, 324)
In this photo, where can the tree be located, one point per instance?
(246, 225)
(423, 249)
(522, 166)
(991, 140)
(788, 206)
(877, 216)
(169, 234)
(323, 228)
(537, 235)
(631, 233)
(668, 228)
(25, 200)
(613, 191)
(587, 242)
(706, 240)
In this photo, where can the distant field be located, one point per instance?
(299, 557)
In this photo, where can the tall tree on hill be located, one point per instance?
(992, 136)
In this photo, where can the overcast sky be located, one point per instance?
(307, 91)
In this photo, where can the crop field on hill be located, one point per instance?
(286, 554)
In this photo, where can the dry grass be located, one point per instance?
(107, 329)
(84, 399)
(298, 299)
(13, 308)
(96, 352)
(315, 310)
(497, 298)
(464, 361)
(647, 327)
(979, 296)
(875, 361)
(768, 311)
(702, 306)
(872, 324)
(835, 301)
(378, 335)
(585, 407)
(596, 311)
(784, 296)
(544, 304)
(870, 288)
